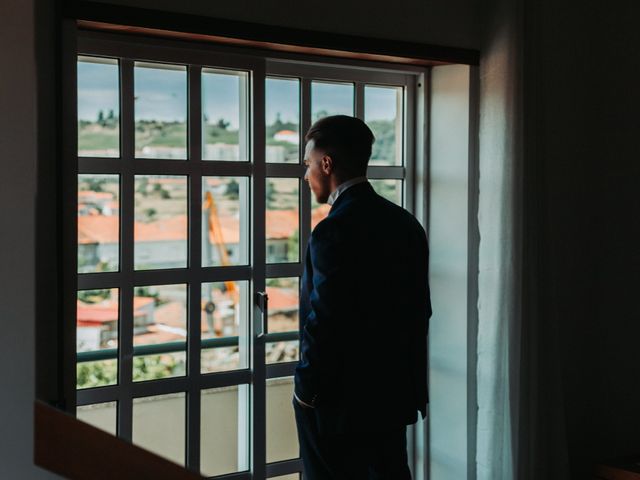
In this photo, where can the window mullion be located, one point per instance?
(258, 403)
(195, 264)
(127, 180)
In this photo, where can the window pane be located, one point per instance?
(331, 99)
(284, 299)
(100, 415)
(224, 427)
(225, 215)
(98, 223)
(291, 476)
(318, 211)
(97, 317)
(159, 425)
(160, 317)
(224, 115)
(383, 114)
(160, 110)
(160, 228)
(98, 107)
(224, 324)
(389, 189)
(282, 437)
(283, 120)
(282, 222)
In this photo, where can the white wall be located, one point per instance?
(18, 145)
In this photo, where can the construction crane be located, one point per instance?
(214, 235)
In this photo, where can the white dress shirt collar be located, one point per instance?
(344, 186)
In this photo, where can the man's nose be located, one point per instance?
(306, 175)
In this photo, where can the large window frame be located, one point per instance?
(260, 66)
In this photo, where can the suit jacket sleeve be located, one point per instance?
(321, 342)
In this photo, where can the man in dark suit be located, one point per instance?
(364, 309)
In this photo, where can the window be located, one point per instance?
(192, 218)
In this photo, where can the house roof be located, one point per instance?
(90, 314)
(282, 299)
(280, 224)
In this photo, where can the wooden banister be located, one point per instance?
(77, 450)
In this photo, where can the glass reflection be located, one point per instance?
(389, 189)
(224, 428)
(160, 228)
(224, 115)
(99, 415)
(98, 223)
(159, 425)
(225, 210)
(159, 316)
(97, 316)
(98, 107)
(282, 120)
(282, 438)
(160, 110)
(331, 99)
(383, 114)
(224, 318)
(282, 220)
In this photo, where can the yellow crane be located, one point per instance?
(215, 236)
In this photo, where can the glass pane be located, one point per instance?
(160, 317)
(224, 430)
(98, 107)
(160, 110)
(331, 99)
(282, 220)
(389, 189)
(225, 216)
(224, 115)
(97, 316)
(160, 229)
(318, 211)
(283, 120)
(224, 326)
(284, 299)
(291, 476)
(159, 425)
(98, 223)
(383, 114)
(282, 436)
(100, 415)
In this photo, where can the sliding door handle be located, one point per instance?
(262, 299)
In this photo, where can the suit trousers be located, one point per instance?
(367, 455)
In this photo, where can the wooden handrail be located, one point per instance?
(620, 469)
(77, 450)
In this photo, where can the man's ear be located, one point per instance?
(327, 165)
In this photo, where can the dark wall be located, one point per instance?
(582, 112)
(442, 22)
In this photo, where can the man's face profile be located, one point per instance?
(319, 168)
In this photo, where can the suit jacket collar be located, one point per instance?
(353, 192)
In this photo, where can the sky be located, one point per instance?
(161, 94)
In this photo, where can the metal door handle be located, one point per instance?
(262, 299)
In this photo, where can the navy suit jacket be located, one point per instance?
(364, 312)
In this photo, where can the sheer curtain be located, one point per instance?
(520, 423)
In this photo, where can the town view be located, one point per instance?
(161, 211)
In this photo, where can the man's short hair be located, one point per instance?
(347, 140)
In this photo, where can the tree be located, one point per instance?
(101, 117)
(233, 190)
(222, 124)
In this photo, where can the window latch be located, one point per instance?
(262, 299)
